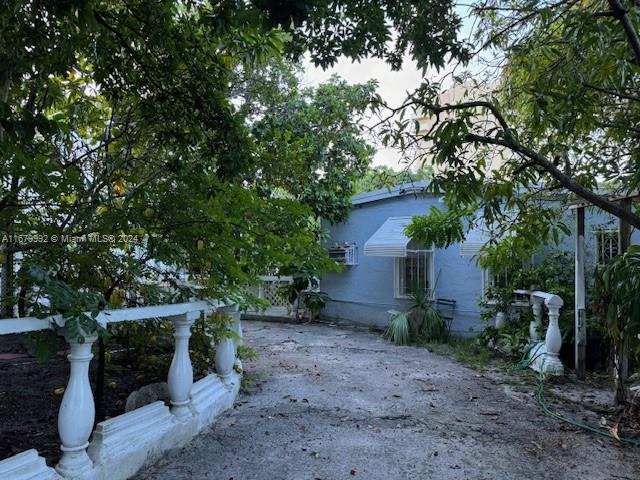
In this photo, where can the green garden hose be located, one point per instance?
(524, 363)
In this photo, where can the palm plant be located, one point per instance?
(434, 328)
(398, 330)
(426, 321)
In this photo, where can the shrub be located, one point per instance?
(398, 330)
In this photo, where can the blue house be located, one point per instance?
(381, 263)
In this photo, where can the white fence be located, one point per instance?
(121, 445)
(272, 289)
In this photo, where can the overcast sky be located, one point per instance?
(393, 86)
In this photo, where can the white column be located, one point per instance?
(180, 379)
(553, 339)
(77, 411)
(500, 320)
(536, 323)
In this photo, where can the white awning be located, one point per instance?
(389, 240)
(474, 241)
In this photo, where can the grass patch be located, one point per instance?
(468, 351)
(250, 380)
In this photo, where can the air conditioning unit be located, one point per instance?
(344, 253)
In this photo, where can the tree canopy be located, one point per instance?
(311, 142)
(554, 91)
(123, 120)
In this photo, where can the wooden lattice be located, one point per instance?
(273, 292)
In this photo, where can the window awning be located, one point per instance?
(389, 240)
(474, 241)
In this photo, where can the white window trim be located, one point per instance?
(396, 273)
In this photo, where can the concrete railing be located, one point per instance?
(121, 445)
(545, 354)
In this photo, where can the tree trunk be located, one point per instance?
(8, 286)
(99, 379)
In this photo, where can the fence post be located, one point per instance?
(180, 378)
(77, 411)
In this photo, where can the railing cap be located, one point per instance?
(550, 299)
(32, 324)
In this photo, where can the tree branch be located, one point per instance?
(438, 109)
(626, 96)
(565, 180)
(629, 30)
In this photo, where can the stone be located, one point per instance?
(146, 395)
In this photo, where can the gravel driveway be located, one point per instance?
(341, 403)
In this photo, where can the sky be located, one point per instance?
(393, 86)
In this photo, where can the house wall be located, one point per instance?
(364, 293)
(595, 219)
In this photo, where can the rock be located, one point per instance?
(146, 395)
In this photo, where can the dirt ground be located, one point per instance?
(341, 403)
(31, 393)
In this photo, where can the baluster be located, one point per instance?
(536, 323)
(77, 411)
(237, 328)
(180, 379)
(225, 358)
(553, 338)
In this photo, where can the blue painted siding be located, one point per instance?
(365, 292)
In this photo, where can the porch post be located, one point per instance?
(580, 316)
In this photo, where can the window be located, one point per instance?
(606, 245)
(495, 280)
(415, 271)
(504, 278)
(500, 279)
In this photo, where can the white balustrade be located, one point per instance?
(225, 358)
(180, 379)
(77, 410)
(536, 324)
(119, 447)
(545, 355)
(553, 338)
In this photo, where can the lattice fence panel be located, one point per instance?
(273, 292)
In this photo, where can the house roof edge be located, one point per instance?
(400, 190)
